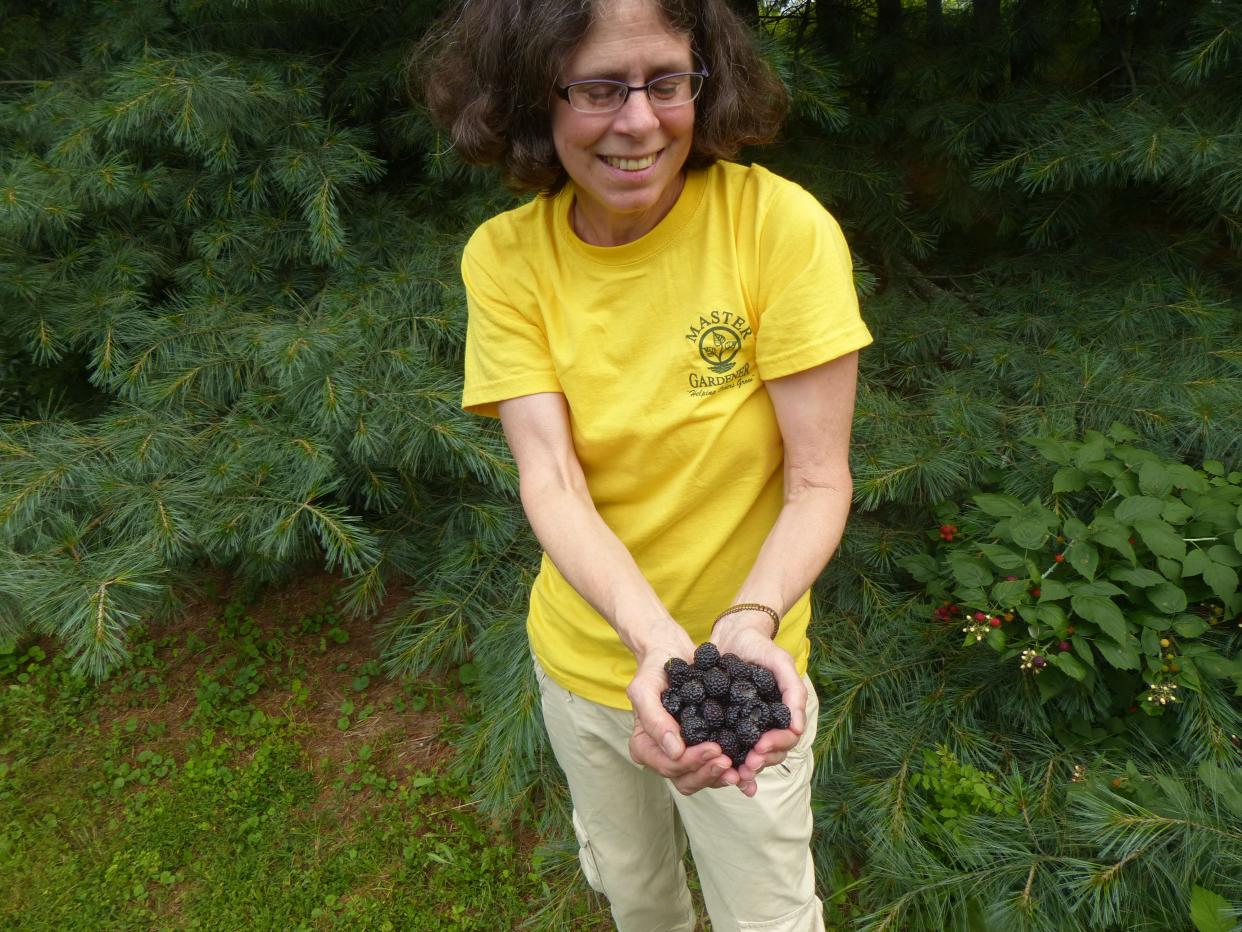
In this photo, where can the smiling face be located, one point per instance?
(626, 165)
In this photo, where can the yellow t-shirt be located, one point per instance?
(661, 347)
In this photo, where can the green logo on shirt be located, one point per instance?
(718, 345)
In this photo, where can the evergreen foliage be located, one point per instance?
(231, 327)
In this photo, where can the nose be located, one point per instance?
(636, 115)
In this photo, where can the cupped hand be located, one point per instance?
(747, 634)
(656, 740)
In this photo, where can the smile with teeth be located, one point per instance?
(631, 165)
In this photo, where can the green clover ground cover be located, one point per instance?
(238, 776)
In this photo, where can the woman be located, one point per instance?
(670, 341)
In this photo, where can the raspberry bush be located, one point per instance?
(1115, 590)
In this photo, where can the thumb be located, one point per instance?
(661, 727)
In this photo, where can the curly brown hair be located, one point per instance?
(487, 70)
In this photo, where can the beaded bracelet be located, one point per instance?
(753, 607)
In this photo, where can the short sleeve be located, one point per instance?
(506, 346)
(808, 308)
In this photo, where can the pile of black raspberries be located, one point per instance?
(723, 699)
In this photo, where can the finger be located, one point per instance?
(778, 740)
(656, 722)
(793, 694)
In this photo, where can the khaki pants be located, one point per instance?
(752, 855)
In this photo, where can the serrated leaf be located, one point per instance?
(1168, 598)
(1222, 580)
(921, 566)
(1195, 563)
(970, 571)
(1161, 539)
(1154, 480)
(1190, 626)
(1137, 507)
(1176, 512)
(1123, 657)
(1210, 912)
(998, 506)
(1051, 589)
(1051, 683)
(1069, 665)
(1095, 588)
(1001, 557)
(1008, 591)
(1102, 612)
(1226, 555)
(1224, 782)
(1069, 479)
(1054, 617)
(1136, 576)
(1028, 533)
(1084, 558)
(1082, 647)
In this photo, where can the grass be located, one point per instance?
(252, 768)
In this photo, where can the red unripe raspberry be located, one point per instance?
(979, 616)
(1060, 558)
(994, 622)
(1064, 645)
(1035, 593)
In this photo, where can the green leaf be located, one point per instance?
(1226, 555)
(1154, 480)
(1176, 512)
(1008, 591)
(1084, 558)
(1069, 665)
(998, 506)
(1123, 657)
(1082, 647)
(1214, 468)
(923, 567)
(1186, 477)
(1102, 612)
(1114, 534)
(1225, 783)
(970, 571)
(1222, 580)
(1069, 479)
(1001, 557)
(1051, 683)
(1054, 617)
(1051, 589)
(1190, 626)
(1095, 588)
(1195, 563)
(1167, 597)
(1136, 576)
(1210, 912)
(1161, 539)
(996, 639)
(1028, 533)
(1138, 506)
(1120, 433)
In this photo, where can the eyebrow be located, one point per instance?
(618, 74)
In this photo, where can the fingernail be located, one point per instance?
(669, 744)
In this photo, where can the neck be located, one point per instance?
(599, 228)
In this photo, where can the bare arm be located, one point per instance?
(815, 411)
(597, 564)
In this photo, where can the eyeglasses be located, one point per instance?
(602, 96)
